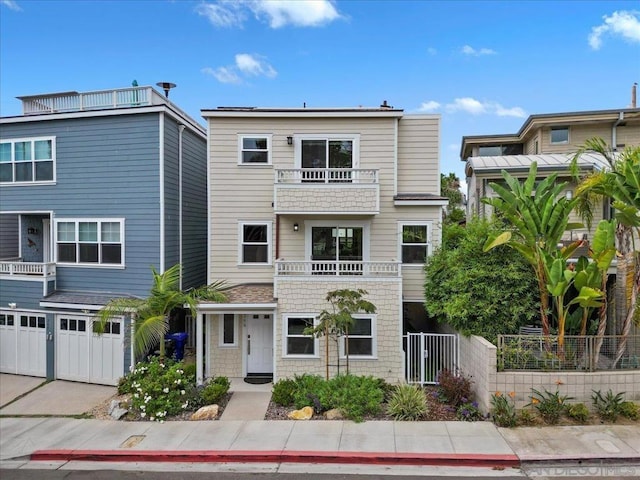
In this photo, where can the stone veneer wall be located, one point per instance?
(225, 361)
(478, 360)
(295, 296)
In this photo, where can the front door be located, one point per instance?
(259, 344)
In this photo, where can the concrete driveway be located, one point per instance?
(54, 398)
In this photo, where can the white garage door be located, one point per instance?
(85, 356)
(23, 343)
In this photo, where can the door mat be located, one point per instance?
(258, 379)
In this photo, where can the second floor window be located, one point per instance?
(328, 159)
(560, 135)
(415, 243)
(255, 149)
(255, 243)
(90, 242)
(27, 160)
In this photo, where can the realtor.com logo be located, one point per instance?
(586, 471)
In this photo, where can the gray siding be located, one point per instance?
(8, 236)
(105, 167)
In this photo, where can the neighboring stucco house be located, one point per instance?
(94, 189)
(303, 201)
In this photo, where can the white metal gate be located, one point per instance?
(427, 354)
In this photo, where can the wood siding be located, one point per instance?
(9, 234)
(418, 154)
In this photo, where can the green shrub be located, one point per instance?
(503, 410)
(407, 402)
(549, 405)
(454, 389)
(308, 391)
(355, 396)
(159, 389)
(579, 412)
(215, 390)
(630, 410)
(190, 370)
(469, 412)
(283, 392)
(608, 405)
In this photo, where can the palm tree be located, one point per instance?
(620, 183)
(536, 217)
(151, 314)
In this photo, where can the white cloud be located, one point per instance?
(454, 147)
(624, 24)
(254, 65)
(429, 106)
(223, 74)
(277, 13)
(11, 5)
(246, 65)
(466, 104)
(476, 107)
(469, 50)
(222, 14)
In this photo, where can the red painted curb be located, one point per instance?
(277, 456)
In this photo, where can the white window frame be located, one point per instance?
(366, 234)
(428, 245)
(353, 137)
(285, 336)
(221, 343)
(374, 338)
(563, 142)
(99, 241)
(269, 225)
(241, 137)
(33, 161)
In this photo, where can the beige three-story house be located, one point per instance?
(306, 201)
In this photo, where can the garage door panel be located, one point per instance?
(31, 355)
(8, 352)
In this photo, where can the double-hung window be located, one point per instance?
(27, 160)
(297, 342)
(90, 242)
(415, 242)
(255, 243)
(361, 339)
(254, 149)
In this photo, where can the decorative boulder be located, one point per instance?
(116, 411)
(304, 413)
(333, 414)
(209, 412)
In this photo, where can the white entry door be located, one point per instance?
(23, 343)
(85, 356)
(259, 344)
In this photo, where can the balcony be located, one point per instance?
(342, 191)
(30, 274)
(338, 268)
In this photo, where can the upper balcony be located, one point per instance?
(317, 191)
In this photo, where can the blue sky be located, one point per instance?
(484, 66)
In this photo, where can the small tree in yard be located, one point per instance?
(337, 321)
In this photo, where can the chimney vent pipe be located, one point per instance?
(634, 89)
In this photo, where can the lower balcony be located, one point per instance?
(14, 272)
(285, 268)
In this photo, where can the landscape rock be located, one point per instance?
(208, 412)
(304, 413)
(333, 414)
(116, 411)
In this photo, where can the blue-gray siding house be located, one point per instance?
(95, 188)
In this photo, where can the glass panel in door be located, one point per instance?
(338, 249)
(340, 157)
(314, 156)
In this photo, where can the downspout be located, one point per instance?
(180, 132)
(277, 236)
(614, 133)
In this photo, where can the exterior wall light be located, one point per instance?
(289, 140)
(296, 227)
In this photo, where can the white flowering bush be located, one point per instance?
(159, 389)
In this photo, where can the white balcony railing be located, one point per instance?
(338, 268)
(13, 268)
(313, 176)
